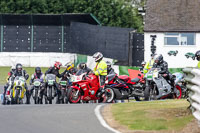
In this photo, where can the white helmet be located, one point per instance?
(98, 56)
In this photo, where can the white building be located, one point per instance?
(176, 23)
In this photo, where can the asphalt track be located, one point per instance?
(66, 118)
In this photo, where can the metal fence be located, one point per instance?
(193, 79)
(70, 33)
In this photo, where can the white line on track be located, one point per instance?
(102, 121)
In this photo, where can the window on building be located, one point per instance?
(179, 39)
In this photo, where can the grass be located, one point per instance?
(156, 115)
(30, 70)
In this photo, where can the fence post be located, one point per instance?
(62, 34)
(1, 34)
(130, 49)
(32, 32)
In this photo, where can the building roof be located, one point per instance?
(172, 16)
(47, 19)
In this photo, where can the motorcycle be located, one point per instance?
(36, 94)
(50, 80)
(124, 87)
(8, 94)
(18, 90)
(63, 90)
(136, 85)
(181, 82)
(85, 87)
(158, 88)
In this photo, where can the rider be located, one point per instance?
(197, 55)
(20, 72)
(37, 75)
(82, 68)
(12, 69)
(55, 70)
(142, 66)
(100, 70)
(110, 70)
(149, 64)
(163, 66)
(70, 68)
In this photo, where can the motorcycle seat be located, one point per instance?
(135, 80)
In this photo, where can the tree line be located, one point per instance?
(119, 13)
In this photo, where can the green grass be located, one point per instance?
(30, 70)
(155, 115)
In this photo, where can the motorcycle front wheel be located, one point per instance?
(149, 94)
(110, 95)
(73, 95)
(178, 93)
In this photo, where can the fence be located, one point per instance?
(193, 79)
(70, 33)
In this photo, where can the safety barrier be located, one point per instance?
(193, 84)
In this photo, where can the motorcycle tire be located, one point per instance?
(36, 97)
(16, 98)
(110, 95)
(179, 92)
(50, 95)
(62, 96)
(70, 96)
(147, 94)
(138, 98)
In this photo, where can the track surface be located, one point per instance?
(71, 118)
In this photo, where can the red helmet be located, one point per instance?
(58, 65)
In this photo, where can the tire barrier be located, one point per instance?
(193, 85)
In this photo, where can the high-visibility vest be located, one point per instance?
(148, 65)
(101, 68)
(198, 65)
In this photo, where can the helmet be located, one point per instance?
(143, 63)
(12, 68)
(158, 58)
(82, 65)
(19, 67)
(69, 65)
(58, 65)
(197, 55)
(37, 70)
(98, 56)
(108, 65)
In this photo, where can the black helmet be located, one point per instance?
(158, 59)
(108, 65)
(19, 67)
(197, 55)
(82, 65)
(37, 70)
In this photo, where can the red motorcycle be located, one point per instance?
(85, 87)
(137, 85)
(124, 87)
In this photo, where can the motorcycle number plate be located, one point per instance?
(149, 76)
(37, 83)
(50, 82)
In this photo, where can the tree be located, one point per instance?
(118, 13)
